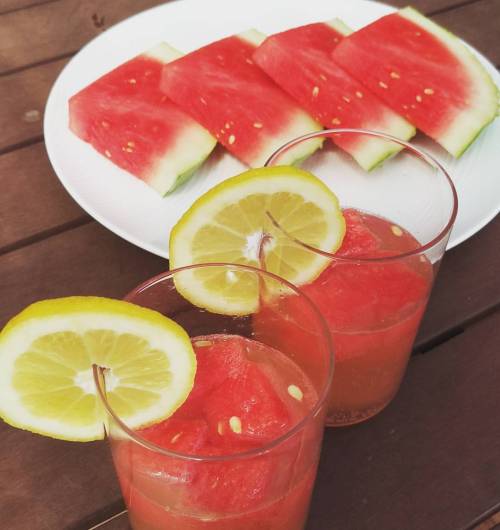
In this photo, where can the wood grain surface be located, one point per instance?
(430, 461)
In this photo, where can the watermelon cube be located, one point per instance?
(246, 409)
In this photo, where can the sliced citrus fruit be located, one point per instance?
(231, 223)
(46, 357)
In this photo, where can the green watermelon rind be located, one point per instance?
(339, 26)
(459, 136)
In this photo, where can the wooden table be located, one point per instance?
(431, 461)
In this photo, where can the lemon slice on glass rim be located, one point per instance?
(46, 357)
(234, 222)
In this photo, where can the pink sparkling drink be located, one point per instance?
(241, 453)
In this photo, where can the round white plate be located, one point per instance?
(128, 207)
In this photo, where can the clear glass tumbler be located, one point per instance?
(259, 476)
(375, 288)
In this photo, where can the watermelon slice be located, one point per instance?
(300, 62)
(126, 118)
(425, 73)
(220, 86)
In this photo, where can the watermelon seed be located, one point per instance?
(203, 101)
(428, 91)
(418, 97)
(413, 106)
(315, 91)
(257, 125)
(220, 428)
(232, 139)
(201, 343)
(405, 106)
(382, 84)
(335, 39)
(423, 259)
(336, 121)
(359, 94)
(417, 33)
(346, 99)
(175, 437)
(295, 392)
(132, 81)
(322, 76)
(235, 424)
(107, 153)
(227, 126)
(396, 230)
(105, 124)
(249, 61)
(395, 75)
(339, 107)
(131, 144)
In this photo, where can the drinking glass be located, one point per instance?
(266, 486)
(375, 288)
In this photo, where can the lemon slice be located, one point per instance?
(46, 357)
(230, 224)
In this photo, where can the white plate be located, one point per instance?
(128, 207)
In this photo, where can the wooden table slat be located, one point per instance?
(23, 97)
(61, 27)
(29, 185)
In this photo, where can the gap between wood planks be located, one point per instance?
(28, 6)
(45, 234)
(450, 8)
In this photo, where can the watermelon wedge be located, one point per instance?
(299, 61)
(424, 72)
(220, 87)
(125, 117)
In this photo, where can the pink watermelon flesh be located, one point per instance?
(220, 86)
(359, 240)
(414, 72)
(216, 361)
(299, 60)
(126, 118)
(252, 399)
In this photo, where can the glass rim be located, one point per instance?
(265, 448)
(419, 153)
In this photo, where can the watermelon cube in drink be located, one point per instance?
(241, 452)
